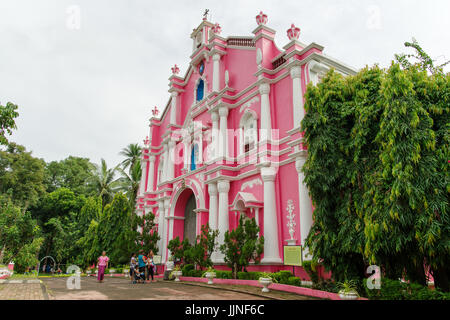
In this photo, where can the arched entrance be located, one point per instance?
(190, 220)
(185, 227)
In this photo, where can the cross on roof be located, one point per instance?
(205, 14)
(155, 111)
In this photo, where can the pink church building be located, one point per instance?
(228, 143)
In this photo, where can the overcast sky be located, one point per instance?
(85, 86)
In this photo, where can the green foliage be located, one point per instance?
(200, 252)
(294, 281)
(242, 245)
(20, 238)
(73, 173)
(397, 290)
(181, 250)
(21, 175)
(8, 114)
(378, 146)
(103, 182)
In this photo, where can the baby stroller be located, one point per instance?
(139, 277)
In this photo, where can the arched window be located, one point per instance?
(194, 156)
(250, 133)
(200, 90)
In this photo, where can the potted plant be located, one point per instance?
(176, 272)
(348, 290)
(210, 274)
(266, 279)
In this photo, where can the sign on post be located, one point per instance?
(292, 256)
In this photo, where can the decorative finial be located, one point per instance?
(293, 32)
(217, 29)
(146, 141)
(261, 18)
(175, 69)
(155, 111)
(205, 14)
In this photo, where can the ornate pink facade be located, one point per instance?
(228, 142)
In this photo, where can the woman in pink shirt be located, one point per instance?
(102, 264)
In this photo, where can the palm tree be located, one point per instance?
(129, 183)
(103, 180)
(132, 154)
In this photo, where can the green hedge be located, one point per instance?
(397, 290)
(294, 281)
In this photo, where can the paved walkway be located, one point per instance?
(122, 289)
(29, 290)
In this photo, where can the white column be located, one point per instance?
(143, 177)
(161, 233)
(223, 141)
(215, 134)
(166, 162)
(306, 219)
(170, 161)
(271, 251)
(266, 118)
(212, 190)
(167, 226)
(297, 96)
(223, 187)
(173, 108)
(186, 153)
(216, 72)
(151, 174)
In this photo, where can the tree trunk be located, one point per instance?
(441, 279)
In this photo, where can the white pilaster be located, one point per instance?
(266, 118)
(170, 160)
(223, 188)
(297, 96)
(161, 244)
(216, 72)
(215, 134)
(173, 108)
(271, 251)
(166, 162)
(223, 142)
(186, 153)
(167, 226)
(151, 174)
(143, 177)
(306, 219)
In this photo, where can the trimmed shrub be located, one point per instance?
(223, 274)
(187, 268)
(294, 281)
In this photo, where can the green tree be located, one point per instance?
(21, 175)
(7, 123)
(20, 238)
(179, 250)
(74, 173)
(147, 239)
(129, 183)
(200, 252)
(104, 183)
(242, 245)
(376, 171)
(132, 154)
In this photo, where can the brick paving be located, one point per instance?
(16, 290)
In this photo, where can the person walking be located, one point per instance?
(150, 266)
(133, 264)
(102, 264)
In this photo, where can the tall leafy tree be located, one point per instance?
(129, 183)
(8, 114)
(74, 173)
(21, 175)
(132, 154)
(104, 182)
(242, 245)
(20, 235)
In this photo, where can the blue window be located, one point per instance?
(200, 90)
(194, 155)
